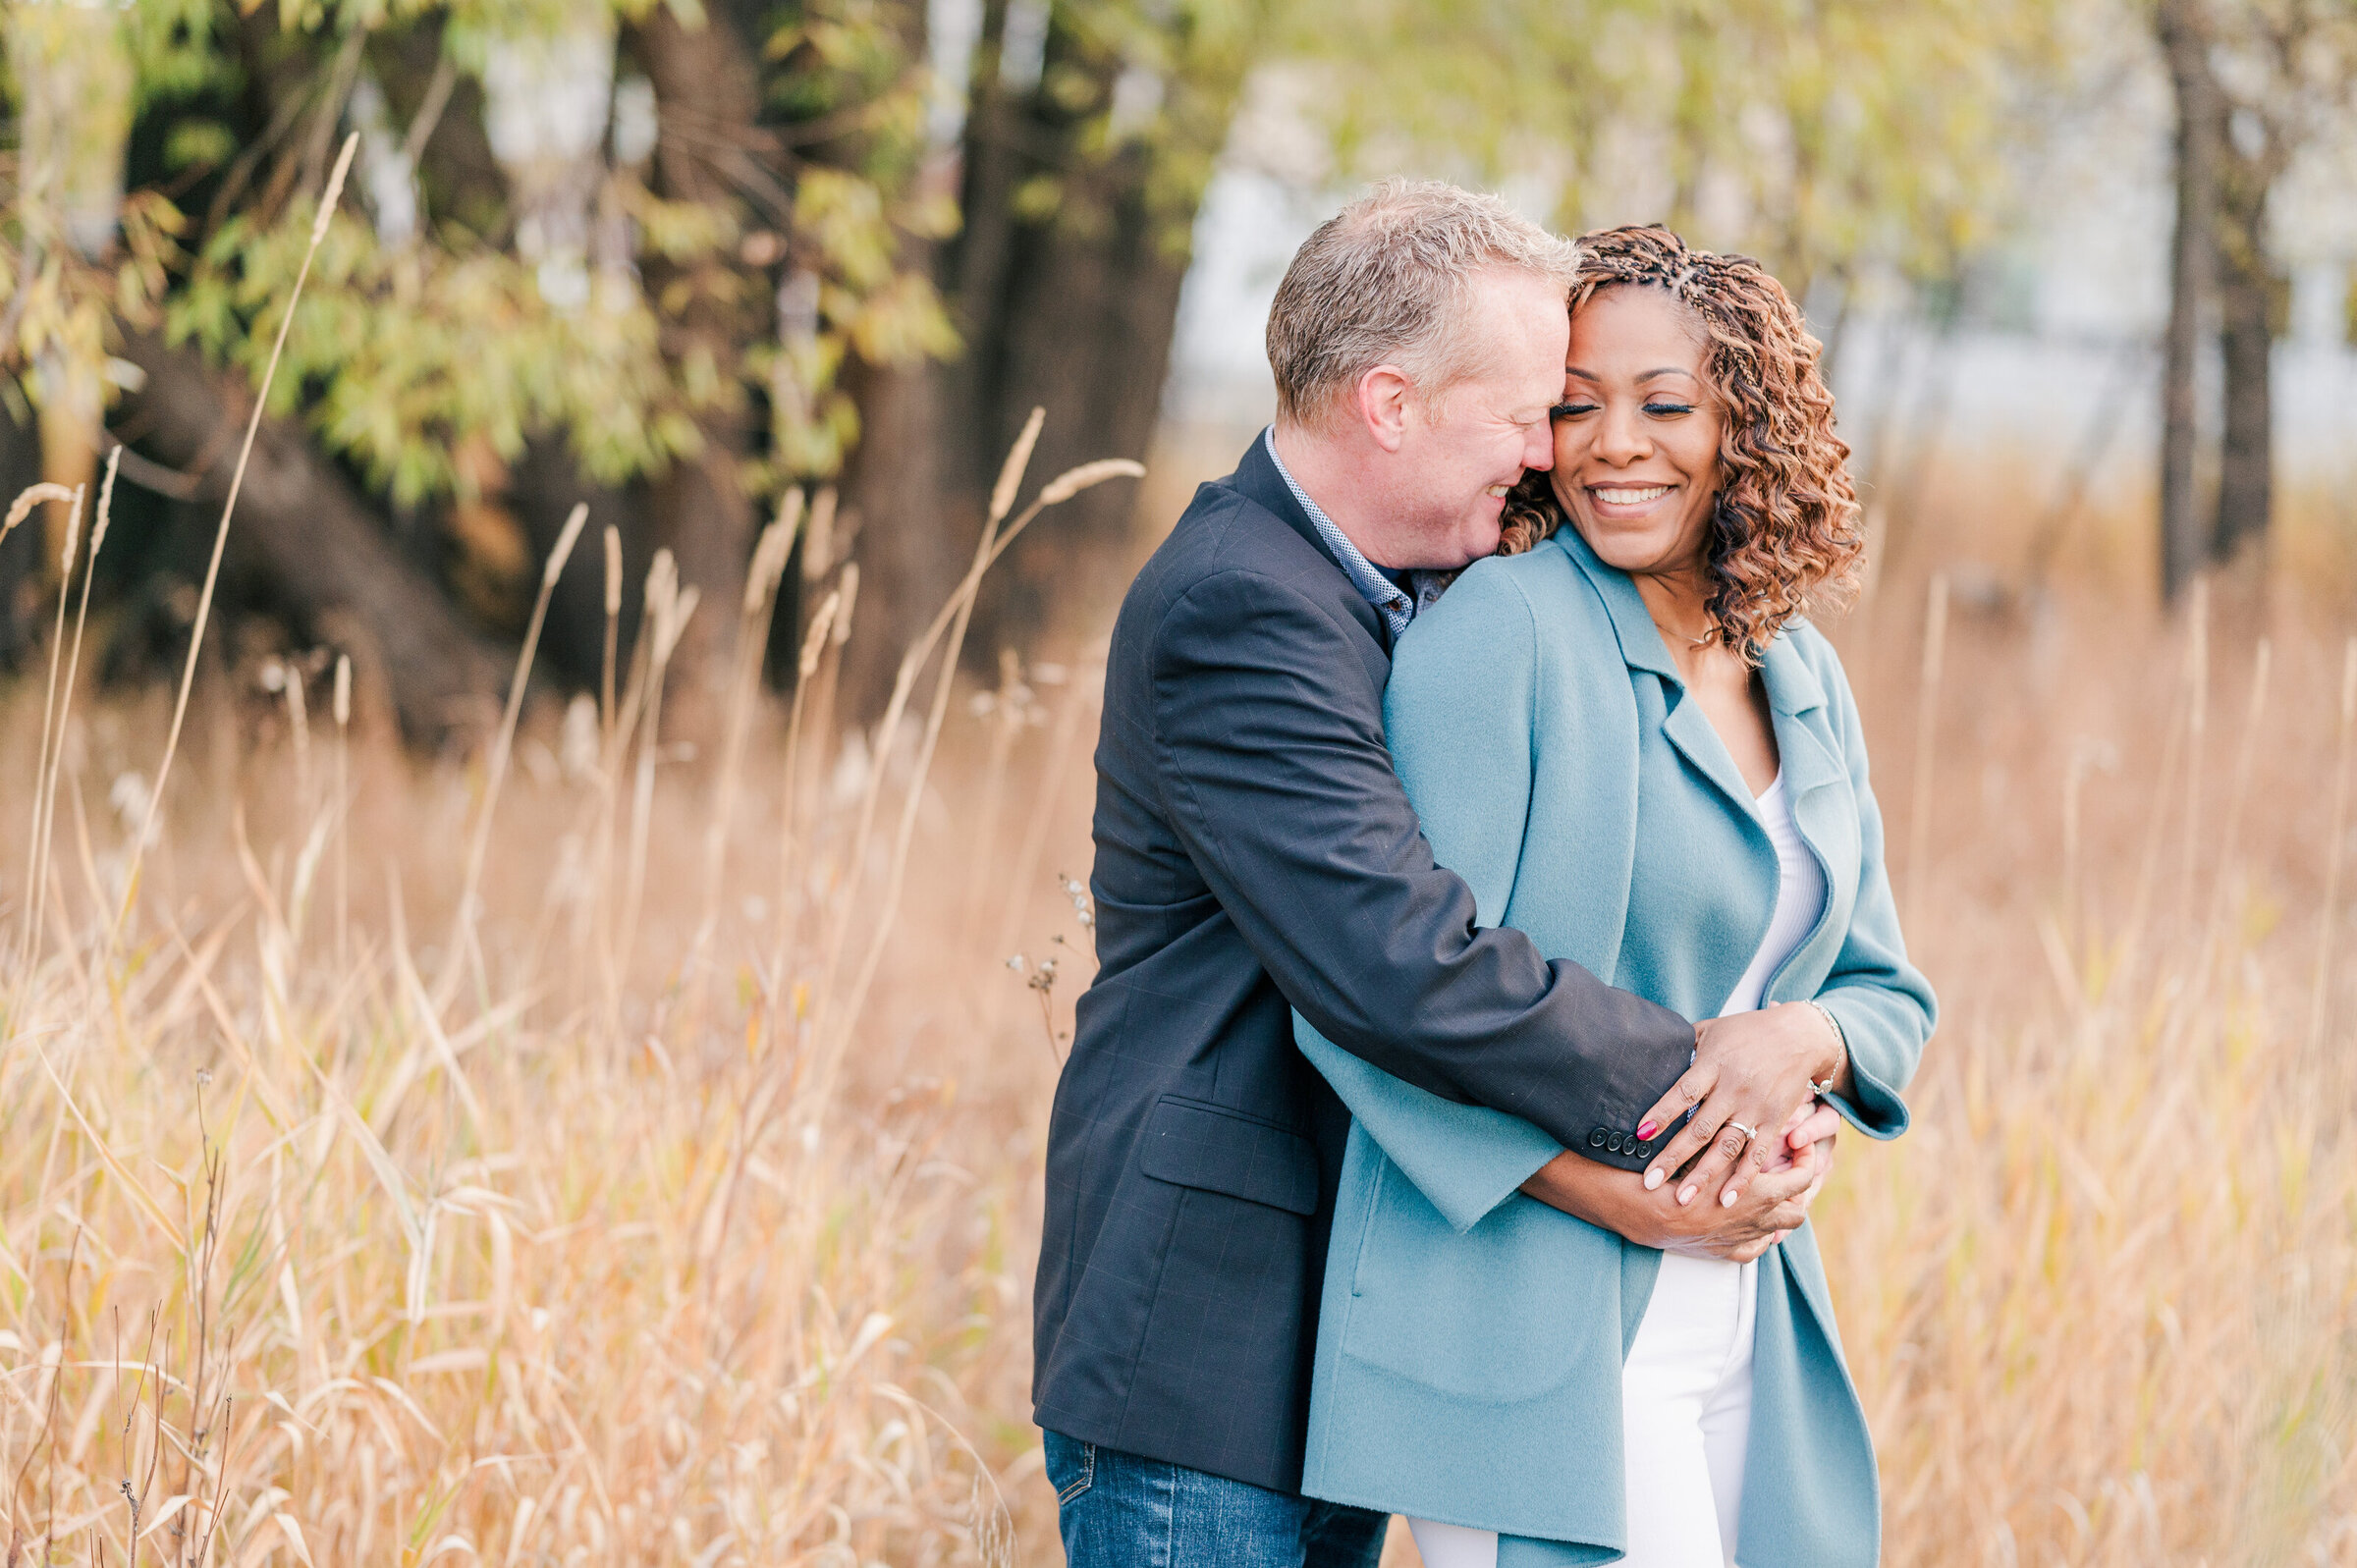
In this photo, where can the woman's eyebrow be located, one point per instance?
(1577, 374)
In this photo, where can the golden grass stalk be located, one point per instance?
(913, 662)
(2197, 730)
(769, 555)
(605, 688)
(819, 728)
(229, 505)
(822, 625)
(343, 715)
(2328, 923)
(993, 544)
(2239, 794)
(1927, 741)
(504, 745)
(52, 753)
(667, 607)
(1022, 884)
(1006, 715)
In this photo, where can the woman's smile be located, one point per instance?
(1624, 502)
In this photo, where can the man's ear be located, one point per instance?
(1383, 405)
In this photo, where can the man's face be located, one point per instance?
(1458, 457)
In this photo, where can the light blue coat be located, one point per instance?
(1471, 1338)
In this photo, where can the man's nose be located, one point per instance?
(1538, 446)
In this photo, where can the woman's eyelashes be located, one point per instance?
(1657, 407)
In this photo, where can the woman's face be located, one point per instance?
(1636, 436)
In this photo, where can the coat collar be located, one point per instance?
(1806, 760)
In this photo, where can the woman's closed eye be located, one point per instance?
(1572, 409)
(1666, 409)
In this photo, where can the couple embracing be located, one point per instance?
(1461, 750)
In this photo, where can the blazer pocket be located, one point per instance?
(1190, 1143)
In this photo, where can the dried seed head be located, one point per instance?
(106, 499)
(613, 571)
(820, 624)
(72, 533)
(662, 582)
(335, 188)
(850, 589)
(818, 551)
(22, 508)
(1018, 457)
(565, 543)
(343, 689)
(1072, 481)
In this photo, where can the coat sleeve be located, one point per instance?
(1465, 686)
(1882, 1003)
(1277, 779)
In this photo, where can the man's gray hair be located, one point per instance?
(1388, 280)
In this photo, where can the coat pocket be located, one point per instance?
(1502, 1313)
(1192, 1143)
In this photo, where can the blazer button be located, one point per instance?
(1644, 1151)
(1614, 1142)
(1596, 1138)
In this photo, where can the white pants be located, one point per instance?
(1685, 1416)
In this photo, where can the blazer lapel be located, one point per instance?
(1258, 480)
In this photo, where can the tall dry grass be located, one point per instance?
(590, 1197)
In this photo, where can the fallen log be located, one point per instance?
(307, 547)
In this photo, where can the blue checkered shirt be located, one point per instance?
(1390, 600)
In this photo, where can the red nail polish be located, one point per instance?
(1646, 1130)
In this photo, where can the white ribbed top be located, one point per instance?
(1800, 900)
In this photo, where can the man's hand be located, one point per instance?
(1750, 1072)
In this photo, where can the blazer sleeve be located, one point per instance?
(1882, 1003)
(1463, 695)
(1277, 781)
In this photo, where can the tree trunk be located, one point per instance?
(543, 487)
(20, 551)
(2250, 299)
(1080, 200)
(305, 546)
(912, 548)
(2185, 41)
(708, 93)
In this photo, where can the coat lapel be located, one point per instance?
(1683, 723)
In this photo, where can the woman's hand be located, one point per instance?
(1750, 1070)
(1772, 1208)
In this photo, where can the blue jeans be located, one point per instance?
(1116, 1510)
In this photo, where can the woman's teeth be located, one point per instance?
(1629, 498)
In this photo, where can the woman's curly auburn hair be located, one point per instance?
(1785, 533)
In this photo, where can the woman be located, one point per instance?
(1626, 739)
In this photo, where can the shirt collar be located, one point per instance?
(1390, 600)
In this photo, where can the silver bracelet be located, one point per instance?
(1826, 1089)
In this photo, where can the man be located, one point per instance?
(1256, 854)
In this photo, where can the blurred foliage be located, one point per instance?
(401, 355)
(422, 337)
(1832, 139)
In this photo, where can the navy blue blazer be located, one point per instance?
(1255, 854)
